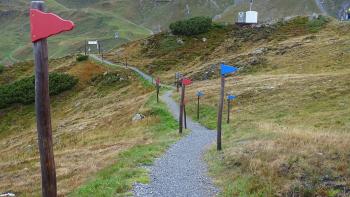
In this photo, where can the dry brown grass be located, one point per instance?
(89, 129)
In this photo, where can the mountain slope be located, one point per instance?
(289, 132)
(134, 19)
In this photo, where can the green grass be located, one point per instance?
(118, 178)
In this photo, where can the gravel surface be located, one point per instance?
(181, 170)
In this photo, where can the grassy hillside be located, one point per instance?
(289, 134)
(91, 24)
(92, 130)
(133, 19)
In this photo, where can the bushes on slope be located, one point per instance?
(193, 26)
(23, 91)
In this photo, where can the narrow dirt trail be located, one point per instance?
(181, 171)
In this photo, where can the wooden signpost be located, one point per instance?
(230, 98)
(199, 95)
(185, 82)
(158, 88)
(185, 116)
(44, 25)
(225, 69)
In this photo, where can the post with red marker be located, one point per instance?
(185, 82)
(185, 115)
(225, 70)
(158, 88)
(44, 25)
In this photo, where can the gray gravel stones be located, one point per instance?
(181, 170)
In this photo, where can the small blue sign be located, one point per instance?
(231, 97)
(226, 69)
(200, 94)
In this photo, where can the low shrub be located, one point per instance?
(315, 25)
(193, 26)
(23, 91)
(81, 58)
(1, 68)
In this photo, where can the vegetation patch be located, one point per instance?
(190, 27)
(118, 178)
(109, 81)
(23, 91)
(1, 68)
(81, 58)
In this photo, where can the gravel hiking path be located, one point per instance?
(181, 171)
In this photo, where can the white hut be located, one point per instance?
(251, 17)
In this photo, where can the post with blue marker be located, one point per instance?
(199, 95)
(225, 70)
(229, 99)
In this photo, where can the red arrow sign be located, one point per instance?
(186, 81)
(158, 81)
(44, 25)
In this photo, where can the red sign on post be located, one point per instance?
(157, 81)
(186, 81)
(44, 25)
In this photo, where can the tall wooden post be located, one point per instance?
(221, 106)
(185, 116)
(126, 61)
(177, 86)
(99, 48)
(228, 110)
(181, 108)
(198, 107)
(42, 107)
(158, 87)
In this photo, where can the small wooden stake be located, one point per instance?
(158, 87)
(85, 47)
(181, 108)
(42, 106)
(198, 107)
(221, 106)
(228, 110)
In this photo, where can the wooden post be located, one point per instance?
(185, 116)
(177, 86)
(85, 47)
(101, 53)
(126, 61)
(43, 116)
(228, 110)
(221, 106)
(157, 92)
(99, 48)
(198, 107)
(181, 108)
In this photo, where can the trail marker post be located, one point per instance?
(185, 115)
(185, 82)
(158, 88)
(229, 99)
(85, 49)
(225, 69)
(199, 95)
(44, 25)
